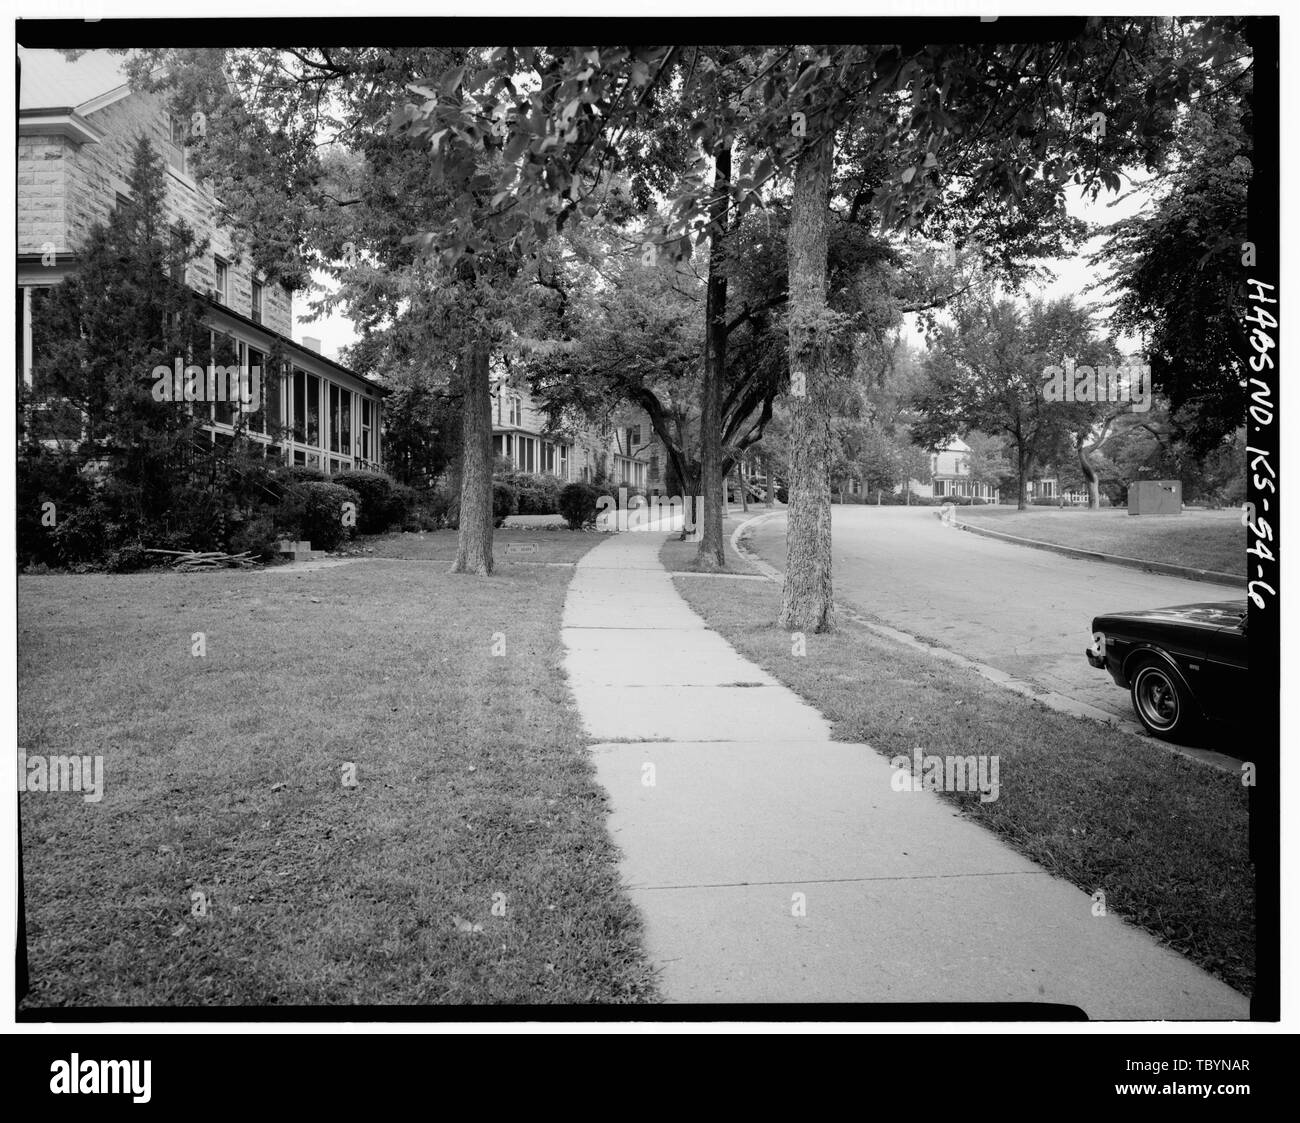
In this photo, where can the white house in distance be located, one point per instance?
(950, 475)
(950, 478)
(78, 122)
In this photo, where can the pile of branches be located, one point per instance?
(187, 561)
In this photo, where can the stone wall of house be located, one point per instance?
(42, 193)
(65, 188)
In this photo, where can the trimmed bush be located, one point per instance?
(419, 507)
(314, 511)
(505, 502)
(538, 494)
(578, 504)
(381, 505)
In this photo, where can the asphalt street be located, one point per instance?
(1023, 611)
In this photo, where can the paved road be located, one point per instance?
(1027, 612)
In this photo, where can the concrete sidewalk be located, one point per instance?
(772, 864)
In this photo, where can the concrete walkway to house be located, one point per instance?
(772, 864)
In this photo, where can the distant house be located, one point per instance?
(950, 477)
(625, 451)
(78, 123)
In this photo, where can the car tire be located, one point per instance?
(1161, 701)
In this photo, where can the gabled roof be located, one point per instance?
(49, 80)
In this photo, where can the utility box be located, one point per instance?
(296, 551)
(1155, 497)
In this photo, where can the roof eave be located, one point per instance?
(66, 122)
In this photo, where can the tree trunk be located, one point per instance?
(1022, 484)
(1090, 475)
(807, 602)
(743, 484)
(770, 499)
(712, 552)
(474, 539)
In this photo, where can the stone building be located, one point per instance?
(78, 125)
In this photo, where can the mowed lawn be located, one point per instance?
(1212, 540)
(510, 547)
(679, 556)
(469, 863)
(1164, 838)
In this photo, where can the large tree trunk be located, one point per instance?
(1022, 484)
(474, 539)
(807, 603)
(712, 552)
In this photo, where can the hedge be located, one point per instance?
(315, 511)
(578, 504)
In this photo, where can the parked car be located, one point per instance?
(1180, 665)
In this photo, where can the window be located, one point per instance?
(176, 254)
(340, 420)
(366, 452)
(224, 398)
(272, 391)
(306, 408)
(176, 157)
(222, 288)
(516, 411)
(257, 303)
(253, 381)
(633, 436)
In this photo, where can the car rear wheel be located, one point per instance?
(1161, 701)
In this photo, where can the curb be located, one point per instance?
(747, 555)
(1163, 568)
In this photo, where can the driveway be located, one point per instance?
(1026, 612)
